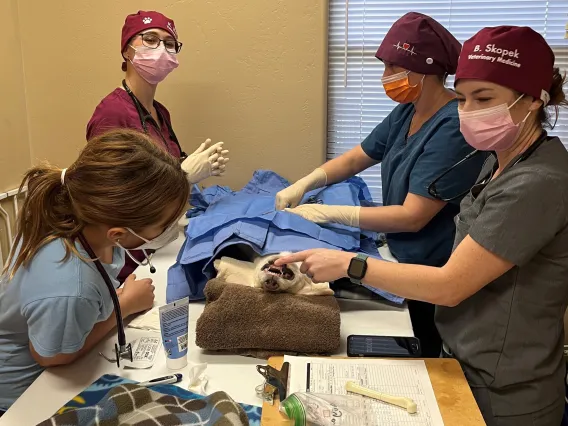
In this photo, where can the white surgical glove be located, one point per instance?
(207, 160)
(291, 196)
(320, 213)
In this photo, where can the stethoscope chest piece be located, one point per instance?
(120, 352)
(123, 352)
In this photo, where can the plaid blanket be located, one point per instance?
(100, 387)
(131, 404)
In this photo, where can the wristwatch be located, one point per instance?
(357, 268)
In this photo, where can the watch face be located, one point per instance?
(357, 268)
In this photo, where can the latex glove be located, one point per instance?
(207, 160)
(319, 213)
(291, 196)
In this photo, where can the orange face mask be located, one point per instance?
(399, 89)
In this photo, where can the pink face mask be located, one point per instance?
(491, 129)
(154, 65)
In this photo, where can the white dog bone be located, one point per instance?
(399, 401)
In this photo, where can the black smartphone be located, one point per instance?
(383, 346)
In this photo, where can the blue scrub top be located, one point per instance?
(410, 164)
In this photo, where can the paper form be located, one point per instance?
(407, 378)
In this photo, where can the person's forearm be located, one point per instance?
(415, 282)
(347, 165)
(99, 331)
(388, 219)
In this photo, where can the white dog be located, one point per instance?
(262, 273)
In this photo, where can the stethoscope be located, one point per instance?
(122, 350)
(432, 187)
(145, 116)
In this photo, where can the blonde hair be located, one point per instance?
(121, 179)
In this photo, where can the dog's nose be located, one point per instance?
(271, 285)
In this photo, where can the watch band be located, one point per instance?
(359, 258)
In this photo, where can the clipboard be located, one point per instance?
(453, 395)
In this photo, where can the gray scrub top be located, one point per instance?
(509, 335)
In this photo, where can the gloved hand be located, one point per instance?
(207, 160)
(291, 196)
(318, 213)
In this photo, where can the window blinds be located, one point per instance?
(356, 100)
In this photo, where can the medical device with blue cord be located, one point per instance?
(245, 223)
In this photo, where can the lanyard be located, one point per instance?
(122, 350)
(145, 116)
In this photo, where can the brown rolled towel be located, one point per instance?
(250, 321)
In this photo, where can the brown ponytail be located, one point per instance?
(557, 100)
(120, 179)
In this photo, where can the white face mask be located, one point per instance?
(170, 234)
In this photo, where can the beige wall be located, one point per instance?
(252, 74)
(14, 142)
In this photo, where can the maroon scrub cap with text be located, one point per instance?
(515, 57)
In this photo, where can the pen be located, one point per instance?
(165, 380)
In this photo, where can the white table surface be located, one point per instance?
(233, 374)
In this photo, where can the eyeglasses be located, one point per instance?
(152, 41)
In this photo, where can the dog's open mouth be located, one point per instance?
(278, 271)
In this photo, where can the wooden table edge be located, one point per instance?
(454, 397)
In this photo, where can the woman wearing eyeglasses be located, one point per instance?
(149, 48)
(415, 143)
(503, 293)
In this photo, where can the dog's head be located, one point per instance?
(277, 279)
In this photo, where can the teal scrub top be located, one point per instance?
(410, 164)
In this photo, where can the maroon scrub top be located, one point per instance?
(117, 110)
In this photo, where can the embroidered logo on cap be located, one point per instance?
(147, 20)
(493, 53)
(406, 47)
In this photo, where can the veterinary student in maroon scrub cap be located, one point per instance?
(149, 47)
(415, 144)
(502, 295)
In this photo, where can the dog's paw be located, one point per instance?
(217, 264)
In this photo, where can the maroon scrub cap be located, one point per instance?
(515, 57)
(420, 44)
(138, 22)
